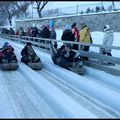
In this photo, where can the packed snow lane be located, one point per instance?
(69, 106)
(80, 97)
(89, 87)
(6, 108)
(25, 100)
(25, 86)
(63, 104)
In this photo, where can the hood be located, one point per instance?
(67, 27)
(108, 30)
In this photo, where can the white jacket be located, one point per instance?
(108, 39)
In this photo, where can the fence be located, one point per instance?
(97, 58)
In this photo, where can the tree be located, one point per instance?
(102, 8)
(81, 12)
(97, 8)
(40, 6)
(88, 10)
(13, 8)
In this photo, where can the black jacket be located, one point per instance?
(45, 33)
(68, 36)
(24, 51)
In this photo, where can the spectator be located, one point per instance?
(45, 33)
(12, 32)
(53, 35)
(75, 31)
(21, 32)
(68, 35)
(107, 40)
(85, 37)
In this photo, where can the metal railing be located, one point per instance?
(42, 42)
(91, 55)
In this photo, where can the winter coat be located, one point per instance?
(9, 56)
(29, 55)
(34, 32)
(108, 39)
(85, 35)
(75, 31)
(45, 33)
(21, 32)
(68, 36)
(27, 51)
(53, 35)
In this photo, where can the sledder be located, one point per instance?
(67, 58)
(30, 58)
(8, 60)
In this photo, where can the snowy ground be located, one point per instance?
(54, 92)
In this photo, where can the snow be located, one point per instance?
(55, 92)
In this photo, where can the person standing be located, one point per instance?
(67, 35)
(75, 31)
(85, 37)
(107, 40)
(53, 35)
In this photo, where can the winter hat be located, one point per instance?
(73, 25)
(83, 24)
(5, 44)
(67, 27)
(106, 27)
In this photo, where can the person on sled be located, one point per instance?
(8, 55)
(66, 57)
(29, 55)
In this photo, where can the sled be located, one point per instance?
(9, 66)
(79, 69)
(35, 66)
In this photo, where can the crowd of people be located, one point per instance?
(70, 33)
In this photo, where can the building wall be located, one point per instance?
(95, 22)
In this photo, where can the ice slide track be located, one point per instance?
(107, 85)
(84, 99)
(19, 93)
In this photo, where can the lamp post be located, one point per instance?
(32, 11)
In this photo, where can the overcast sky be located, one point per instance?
(62, 4)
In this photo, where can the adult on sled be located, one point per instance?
(29, 57)
(67, 58)
(8, 58)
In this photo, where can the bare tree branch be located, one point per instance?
(13, 8)
(40, 7)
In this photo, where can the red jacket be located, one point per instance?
(75, 31)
